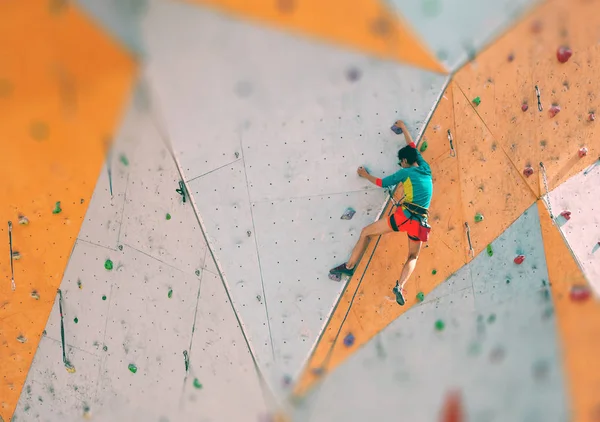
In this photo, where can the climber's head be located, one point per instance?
(407, 156)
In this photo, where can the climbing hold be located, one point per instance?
(396, 128)
(79, 284)
(566, 215)
(335, 277)
(439, 325)
(287, 380)
(563, 54)
(583, 152)
(259, 298)
(124, 160)
(528, 171)
(524, 107)
(348, 214)
(170, 294)
(35, 295)
(317, 371)
(508, 281)
(478, 218)
(420, 297)
(75, 320)
(511, 57)
(168, 216)
(248, 233)
(554, 110)
(349, 340)
(579, 293)
(452, 410)
(536, 27)
(519, 259)
(103, 297)
(491, 318)
(108, 264)
(591, 117)
(57, 209)
(132, 368)
(353, 74)
(105, 348)
(490, 251)
(22, 339)
(434, 271)
(424, 146)
(197, 272)
(16, 255)
(23, 220)
(476, 101)
(197, 383)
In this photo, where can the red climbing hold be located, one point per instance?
(452, 410)
(583, 152)
(563, 54)
(566, 215)
(579, 293)
(519, 259)
(524, 107)
(554, 110)
(528, 171)
(591, 117)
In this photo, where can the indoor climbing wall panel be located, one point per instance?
(504, 78)
(368, 26)
(269, 142)
(457, 29)
(578, 322)
(575, 205)
(122, 19)
(488, 331)
(142, 299)
(60, 100)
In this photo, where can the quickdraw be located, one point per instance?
(13, 286)
(471, 250)
(181, 191)
(539, 101)
(450, 139)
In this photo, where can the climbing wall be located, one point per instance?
(457, 30)
(489, 332)
(148, 325)
(193, 282)
(271, 161)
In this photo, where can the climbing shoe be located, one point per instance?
(342, 270)
(399, 296)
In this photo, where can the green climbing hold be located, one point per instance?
(439, 325)
(197, 383)
(478, 218)
(105, 348)
(490, 251)
(124, 160)
(108, 265)
(168, 217)
(420, 297)
(103, 297)
(57, 209)
(491, 318)
(434, 272)
(424, 146)
(477, 101)
(170, 294)
(76, 320)
(132, 368)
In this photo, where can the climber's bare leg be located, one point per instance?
(379, 227)
(414, 248)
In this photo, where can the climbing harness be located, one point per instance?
(539, 101)
(547, 200)
(450, 139)
(181, 191)
(70, 368)
(471, 250)
(13, 286)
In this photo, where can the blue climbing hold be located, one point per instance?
(396, 129)
(349, 340)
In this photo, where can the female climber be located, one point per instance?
(410, 216)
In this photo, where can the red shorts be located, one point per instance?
(413, 228)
